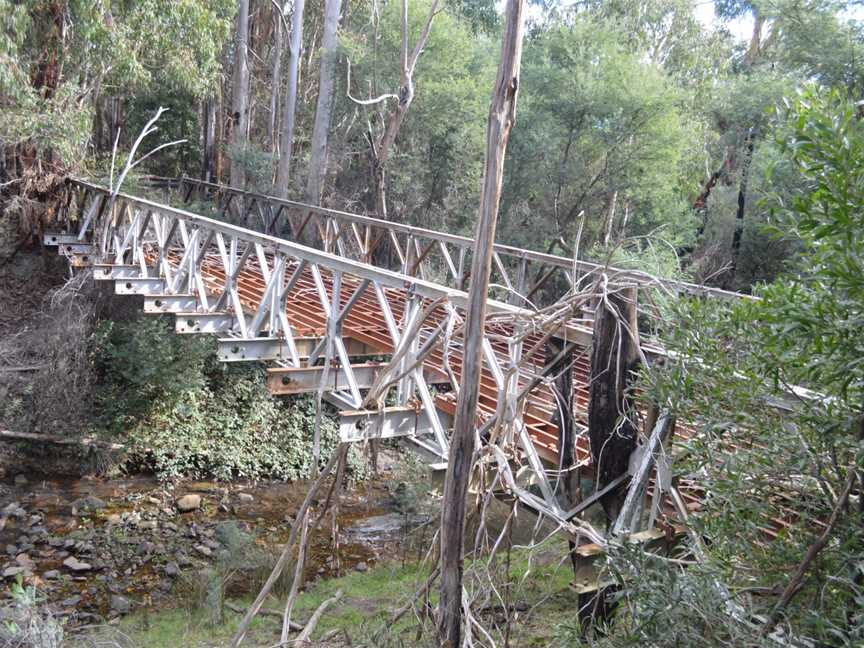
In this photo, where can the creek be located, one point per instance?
(99, 548)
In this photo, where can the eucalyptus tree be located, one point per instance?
(324, 109)
(240, 97)
(603, 135)
(286, 147)
(57, 58)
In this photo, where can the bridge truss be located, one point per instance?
(369, 313)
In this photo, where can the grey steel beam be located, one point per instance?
(387, 423)
(139, 286)
(303, 380)
(252, 349)
(76, 248)
(52, 239)
(158, 304)
(109, 272)
(205, 322)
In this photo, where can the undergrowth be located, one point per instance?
(182, 413)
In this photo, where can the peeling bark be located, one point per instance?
(502, 114)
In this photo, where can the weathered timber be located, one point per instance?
(614, 358)
(502, 114)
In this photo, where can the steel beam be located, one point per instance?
(139, 286)
(303, 380)
(52, 239)
(158, 304)
(387, 423)
(191, 322)
(109, 272)
(76, 248)
(252, 349)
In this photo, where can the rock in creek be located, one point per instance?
(76, 565)
(12, 572)
(88, 503)
(120, 604)
(190, 502)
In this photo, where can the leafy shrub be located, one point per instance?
(184, 414)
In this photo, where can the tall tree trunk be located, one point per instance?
(324, 109)
(283, 173)
(240, 99)
(749, 144)
(610, 218)
(614, 357)
(502, 113)
(276, 80)
(208, 139)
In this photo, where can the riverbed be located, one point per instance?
(99, 548)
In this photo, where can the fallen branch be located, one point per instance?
(239, 609)
(286, 552)
(794, 584)
(306, 635)
(48, 438)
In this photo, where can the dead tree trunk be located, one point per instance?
(381, 152)
(324, 109)
(283, 172)
(614, 357)
(502, 113)
(240, 98)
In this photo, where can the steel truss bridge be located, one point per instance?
(310, 292)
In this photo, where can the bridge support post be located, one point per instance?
(614, 357)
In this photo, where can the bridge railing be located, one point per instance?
(519, 276)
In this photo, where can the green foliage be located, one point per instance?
(599, 131)
(186, 415)
(804, 330)
(56, 57)
(139, 363)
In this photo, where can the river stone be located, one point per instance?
(148, 524)
(21, 480)
(24, 560)
(76, 565)
(190, 502)
(72, 601)
(203, 550)
(172, 569)
(361, 567)
(12, 549)
(51, 574)
(245, 497)
(120, 604)
(12, 572)
(88, 503)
